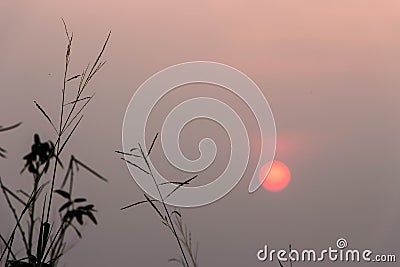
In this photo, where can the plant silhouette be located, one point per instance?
(3, 129)
(45, 238)
(41, 154)
(171, 219)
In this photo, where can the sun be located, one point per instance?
(277, 178)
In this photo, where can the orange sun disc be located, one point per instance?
(277, 178)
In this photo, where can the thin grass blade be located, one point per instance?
(74, 77)
(45, 114)
(80, 163)
(152, 144)
(3, 129)
(137, 203)
(136, 166)
(154, 206)
(126, 154)
(180, 185)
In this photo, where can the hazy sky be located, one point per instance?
(330, 71)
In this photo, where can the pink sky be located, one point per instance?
(329, 69)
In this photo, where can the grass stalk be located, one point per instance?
(37, 163)
(163, 204)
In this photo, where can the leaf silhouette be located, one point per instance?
(3, 129)
(91, 216)
(63, 193)
(66, 205)
(79, 200)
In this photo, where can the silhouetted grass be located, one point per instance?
(3, 129)
(46, 246)
(171, 219)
